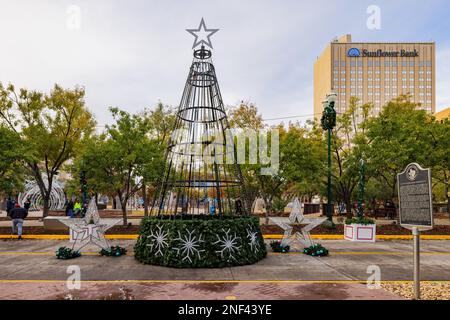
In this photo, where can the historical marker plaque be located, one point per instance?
(414, 193)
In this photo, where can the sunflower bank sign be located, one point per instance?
(357, 53)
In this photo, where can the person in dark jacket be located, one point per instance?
(238, 206)
(17, 215)
(69, 208)
(27, 204)
(9, 205)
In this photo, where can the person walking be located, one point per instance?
(18, 215)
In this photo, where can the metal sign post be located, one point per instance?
(416, 260)
(415, 209)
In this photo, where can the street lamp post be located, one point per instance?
(328, 122)
(361, 187)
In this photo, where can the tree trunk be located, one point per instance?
(447, 195)
(348, 203)
(114, 204)
(144, 196)
(46, 207)
(46, 198)
(124, 214)
(268, 210)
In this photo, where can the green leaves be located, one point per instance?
(50, 126)
(208, 236)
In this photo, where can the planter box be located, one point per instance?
(360, 232)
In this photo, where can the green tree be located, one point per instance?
(245, 116)
(440, 159)
(12, 155)
(161, 121)
(349, 144)
(121, 158)
(52, 127)
(303, 149)
(401, 134)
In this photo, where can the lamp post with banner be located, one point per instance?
(328, 122)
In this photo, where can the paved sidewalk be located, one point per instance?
(29, 268)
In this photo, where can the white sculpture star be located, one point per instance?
(297, 218)
(90, 229)
(203, 33)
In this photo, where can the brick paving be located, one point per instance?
(29, 270)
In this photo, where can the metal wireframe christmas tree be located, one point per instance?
(201, 174)
(199, 214)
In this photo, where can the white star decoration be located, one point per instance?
(203, 33)
(90, 229)
(228, 244)
(189, 245)
(158, 240)
(295, 218)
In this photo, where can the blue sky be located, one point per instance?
(133, 54)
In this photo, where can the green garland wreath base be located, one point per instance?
(211, 230)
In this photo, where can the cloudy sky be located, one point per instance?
(132, 54)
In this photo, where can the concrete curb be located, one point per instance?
(266, 236)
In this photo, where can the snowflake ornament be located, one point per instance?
(158, 240)
(252, 236)
(228, 244)
(189, 245)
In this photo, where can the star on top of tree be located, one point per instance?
(202, 35)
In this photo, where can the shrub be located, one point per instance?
(359, 220)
